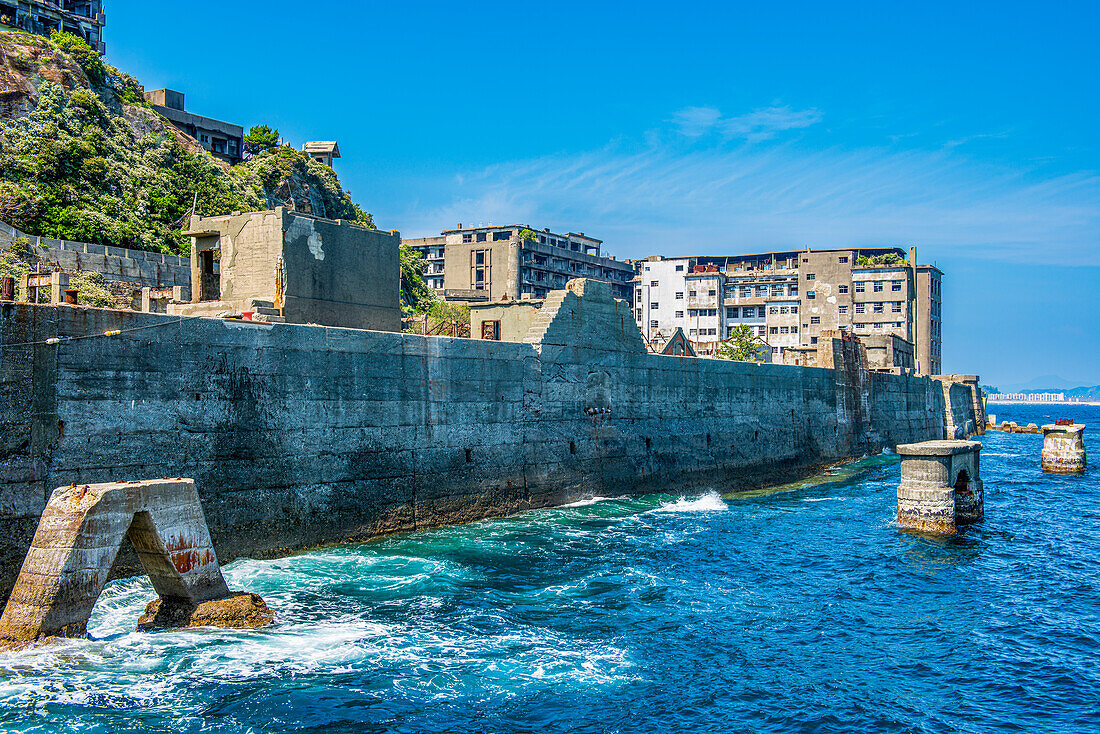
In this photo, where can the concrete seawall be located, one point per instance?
(298, 436)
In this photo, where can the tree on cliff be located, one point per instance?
(260, 139)
(742, 346)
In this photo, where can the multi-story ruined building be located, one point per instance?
(223, 139)
(82, 18)
(515, 262)
(788, 298)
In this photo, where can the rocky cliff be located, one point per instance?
(83, 157)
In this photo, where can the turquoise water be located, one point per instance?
(805, 610)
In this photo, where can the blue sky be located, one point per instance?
(966, 129)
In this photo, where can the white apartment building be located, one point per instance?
(789, 298)
(708, 303)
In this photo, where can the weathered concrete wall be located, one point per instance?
(119, 264)
(515, 318)
(298, 436)
(963, 416)
(335, 273)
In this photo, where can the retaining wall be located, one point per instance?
(120, 264)
(298, 436)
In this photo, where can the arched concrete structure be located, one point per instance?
(941, 486)
(75, 545)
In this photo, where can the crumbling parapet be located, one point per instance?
(1064, 448)
(941, 486)
(78, 537)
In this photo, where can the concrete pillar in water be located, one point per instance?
(1064, 448)
(75, 545)
(941, 487)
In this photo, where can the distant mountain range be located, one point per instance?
(1054, 383)
(1044, 383)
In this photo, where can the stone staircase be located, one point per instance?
(549, 310)
(265, 312)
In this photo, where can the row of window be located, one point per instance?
(880, 307)
(783, 330)
(860, 286)
(498, 236)
(747, 291)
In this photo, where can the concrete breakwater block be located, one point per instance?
(78, 537)
(941, 486)
(1064, 447)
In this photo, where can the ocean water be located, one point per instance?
(801, 610)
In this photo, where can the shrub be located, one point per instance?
(83, 54)
(13, 266)
(92, 290)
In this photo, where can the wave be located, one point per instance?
(585, 503)
(709, 502)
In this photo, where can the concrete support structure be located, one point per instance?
(1064, 448)
(78, 536)
(941, 486)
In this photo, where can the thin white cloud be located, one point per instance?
(657, 200)
(761, 124)
(766, 123)
(696, 121)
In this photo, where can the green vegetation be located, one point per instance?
(889, 258)
(527, 234)
(416, 296)
(83, 54)
(261, 139)
(449, 318)
(13, 266)
(742, 346)
(92, 291)
(98, 164)
(15, 261)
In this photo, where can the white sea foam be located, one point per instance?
(821, 499)
(587, 502)
(709, 502)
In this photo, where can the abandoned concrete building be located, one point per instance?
(281, 265)
(790, 298)
(222, 139)
(82, 18)
(493, 263)
(503, 321)
(322, 151)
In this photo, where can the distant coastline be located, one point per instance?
(990, 401)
